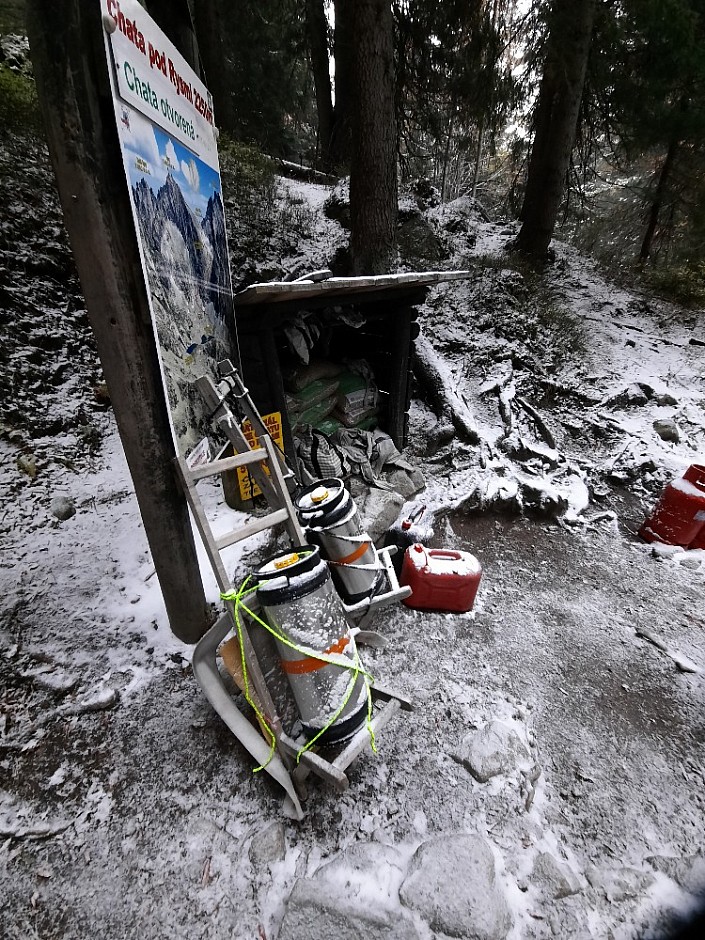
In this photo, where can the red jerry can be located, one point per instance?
(440, 579)
(679, 516)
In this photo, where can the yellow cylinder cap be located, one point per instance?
(319, 495)
(286, 561)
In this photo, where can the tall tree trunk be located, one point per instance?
(560, 94)
(661, 186)
(317, 29)
(446, 148)
(209, 31)
(344, 51)
(478, 157)
(373, 172)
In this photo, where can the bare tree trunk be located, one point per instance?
(317, 29)
(373, 172)
(478, 157)
(560, 94)
(446, 149)
(663, 180)
(66, 40)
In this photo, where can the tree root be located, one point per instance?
(434, 375)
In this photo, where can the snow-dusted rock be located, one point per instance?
(495, 749)
(687, 871)
(62, 508)
(268, 845)
(354, 865)
(617, 884)
(553, 879)
(406, 483)
(634, 395)
(667, 430)
(318, 911)
(452, 883)
(100, 700)
(378, 510)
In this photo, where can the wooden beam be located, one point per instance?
(66, 39)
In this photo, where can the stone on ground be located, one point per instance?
(453, 885)
(495, 749)
(317, 911)
(553, 879)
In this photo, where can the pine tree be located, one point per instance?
(373, 172)
(570, 25)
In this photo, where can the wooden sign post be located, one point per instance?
(66, 41)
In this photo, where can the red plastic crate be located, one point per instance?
(440, 579)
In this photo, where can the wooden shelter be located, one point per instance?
(371, 318)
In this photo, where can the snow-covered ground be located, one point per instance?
(126, 808)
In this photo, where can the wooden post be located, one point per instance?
(66, 41)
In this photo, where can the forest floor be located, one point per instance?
(127, 808)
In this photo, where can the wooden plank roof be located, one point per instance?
(341, 289)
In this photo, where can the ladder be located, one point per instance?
(268, 467)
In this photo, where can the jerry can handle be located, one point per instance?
(444, 553)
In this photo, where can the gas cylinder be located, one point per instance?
(440, 579)
(300, 603)
(404, 533)
(329, 515)
(680, 512)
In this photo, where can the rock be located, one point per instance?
(688, 872)
(268, 845)
(496, 749)
(618, 884)
(553, 879)
(101, 700)
(665, 398)
(378, 511)
(315, 911)
(354, 865)
(419, 243)
(405, 483)
(27, 463)
(14, 52)
(62, 507)
(633, 395)
(667, 430)
(57, 681)
(569, 922)
(452, 884)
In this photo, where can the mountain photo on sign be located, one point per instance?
(181, 224)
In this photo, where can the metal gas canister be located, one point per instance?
(679, 516)
(300, 603)
(329, 515)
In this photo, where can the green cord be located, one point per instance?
(236, 598)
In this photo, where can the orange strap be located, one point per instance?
(299, 667)
(353, 556)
